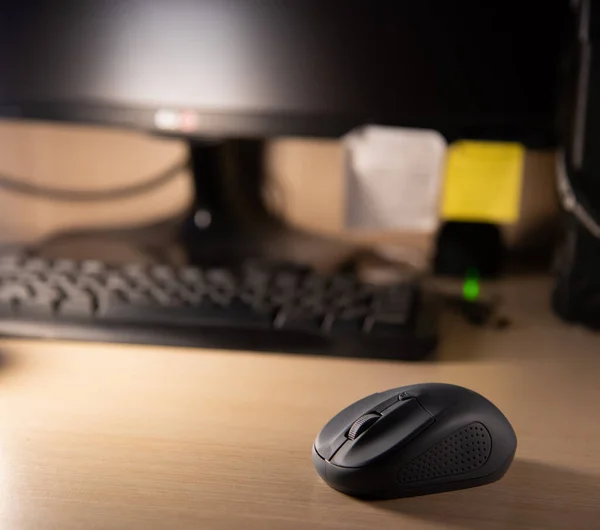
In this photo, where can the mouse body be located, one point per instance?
(415, 440)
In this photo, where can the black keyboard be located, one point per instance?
(254, 308)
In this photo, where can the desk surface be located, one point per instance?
(110, 437)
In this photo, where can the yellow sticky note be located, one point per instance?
(483, 182)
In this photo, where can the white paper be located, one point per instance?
(394, 178)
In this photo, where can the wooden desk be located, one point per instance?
(123, 437)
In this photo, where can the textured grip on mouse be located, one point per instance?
(465, 451)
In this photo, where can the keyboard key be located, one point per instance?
(393, 304)
(14, 292)
(139, 298)
(350, 320)
(236, 312)
(191, 275)
(42, 291)
(93, 267)
(36, 307)
(80, 307)
(385, 323)
(159, 294)
(117, 282)
(298, 319)
(205, 315)
(65, 265)
(10, 264)
(34, 265)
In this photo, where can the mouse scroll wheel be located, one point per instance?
(362, 424)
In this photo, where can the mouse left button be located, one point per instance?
(333, 435)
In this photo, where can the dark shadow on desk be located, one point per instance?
(458, 340)
(6, 363)
(531, 496)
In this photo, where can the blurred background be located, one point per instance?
(306, 184)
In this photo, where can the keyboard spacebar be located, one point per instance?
(234, 316)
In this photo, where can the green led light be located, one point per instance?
(471, 287)
(471, 290)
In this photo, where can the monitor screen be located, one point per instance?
(285, 67)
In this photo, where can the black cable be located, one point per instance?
(571, 203)
(57, 194)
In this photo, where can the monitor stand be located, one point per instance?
(229, 219)
(228, 223)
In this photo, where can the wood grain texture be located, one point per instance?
(137, 437)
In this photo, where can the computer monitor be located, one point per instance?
(231, 69)
(285, 67)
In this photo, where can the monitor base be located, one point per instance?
(228, 223)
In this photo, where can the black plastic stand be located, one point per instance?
(462, 247)
(229, 219)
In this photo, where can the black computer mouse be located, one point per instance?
(415, 440)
